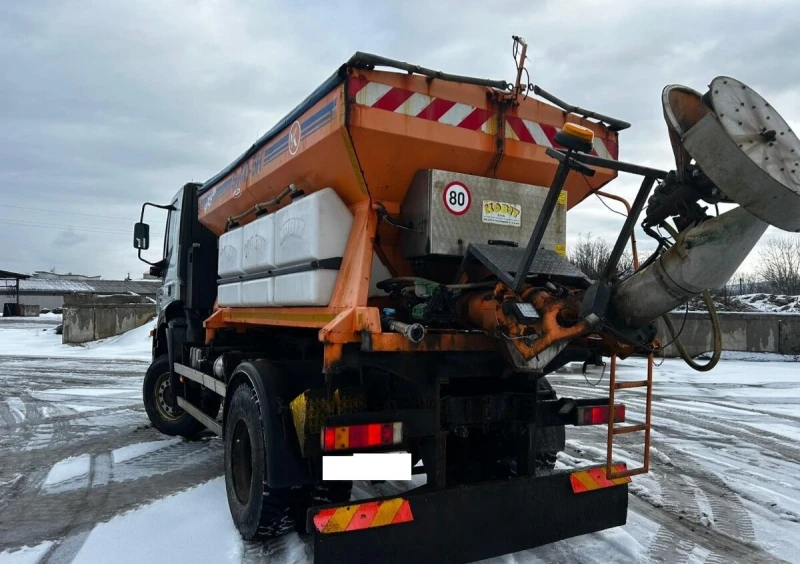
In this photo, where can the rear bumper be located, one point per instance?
(470, 523)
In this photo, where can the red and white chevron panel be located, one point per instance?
(414, 104)
(406, 102)
(543, 134)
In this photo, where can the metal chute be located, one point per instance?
(730, 146)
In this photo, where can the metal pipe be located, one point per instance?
(633, 234)
(616, 124)
(414, 332)
(290, 189)
(704, 256)
(369, 60)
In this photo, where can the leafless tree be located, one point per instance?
(745, 283)
(779, 264)
(591, 253)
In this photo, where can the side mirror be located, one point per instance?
(141, 236)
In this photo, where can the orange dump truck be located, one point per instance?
(378, 287)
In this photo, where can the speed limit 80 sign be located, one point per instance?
(457, 198)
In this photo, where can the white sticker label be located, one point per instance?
(502, 213)
(457, 198)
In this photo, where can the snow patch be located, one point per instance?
(26, 554)
(130, 452)
(68, 469)
(33, 341)
(192, 526)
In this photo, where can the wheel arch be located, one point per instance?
(285, 466)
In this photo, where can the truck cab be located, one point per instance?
(187, 267)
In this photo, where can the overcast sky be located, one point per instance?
(106, 104)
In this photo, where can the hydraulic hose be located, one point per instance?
(712, 313)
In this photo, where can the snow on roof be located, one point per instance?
(44, 286)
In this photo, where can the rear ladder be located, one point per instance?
(611, 472)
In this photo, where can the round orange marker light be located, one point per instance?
(582, 133)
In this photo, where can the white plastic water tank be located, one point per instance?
(314, 227)
(259, 245)
(311, 288)
(258, 293)
(230, 295)
(230, 253)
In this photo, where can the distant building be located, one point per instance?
(52, 275)
(49, 292)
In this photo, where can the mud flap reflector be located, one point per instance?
(363, 516)
(595, 479)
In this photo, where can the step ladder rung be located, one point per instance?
(614, 430)
(629, 429)
(626, 473)
(627, 385)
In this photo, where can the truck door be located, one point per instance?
(170, 290)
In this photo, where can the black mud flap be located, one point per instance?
(470, 523)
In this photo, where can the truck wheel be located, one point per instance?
(549, 442)
(258, 511)
(157, 396)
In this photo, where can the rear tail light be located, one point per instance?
(598, 414)
(361, 436)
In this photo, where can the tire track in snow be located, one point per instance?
(9, 422)
(667, 550)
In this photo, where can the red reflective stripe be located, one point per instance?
(436, 109)
(321, 519)
(612, 147)
(475, 119)
(364, 516)
(393, 99)
(550, 132)
(403, 514)
(577, 485)
(518, 126)
(355, 84)
(599, 476)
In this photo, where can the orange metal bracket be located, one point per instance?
(352, 285)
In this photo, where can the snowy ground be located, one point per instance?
(83, 477)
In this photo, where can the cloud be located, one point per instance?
(69, 239)
(105, 105)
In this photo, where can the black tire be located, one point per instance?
(156, 394)
(258, 511)
(549, 442)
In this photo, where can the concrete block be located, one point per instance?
(78, 325)
(789, 331)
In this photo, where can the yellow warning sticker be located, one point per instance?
(562, 198)
(562, 250)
